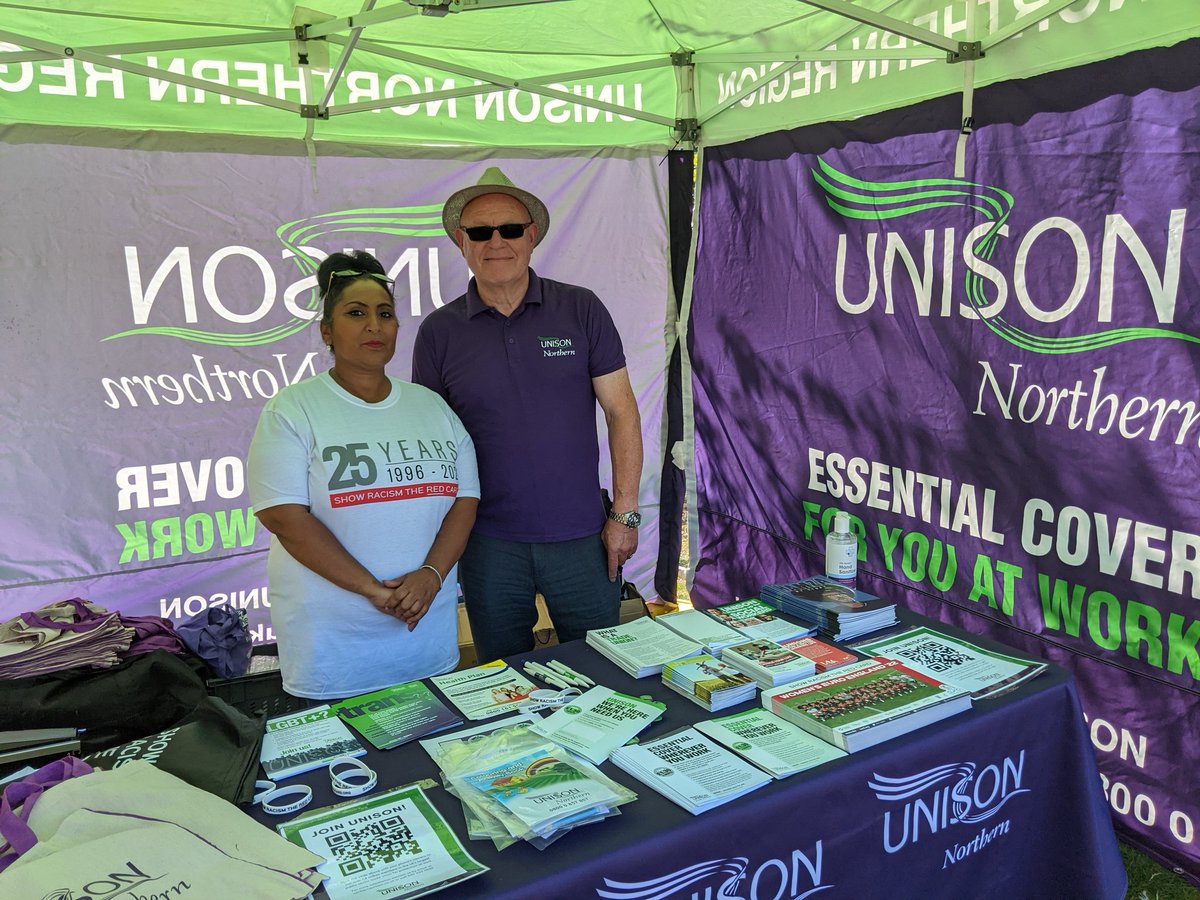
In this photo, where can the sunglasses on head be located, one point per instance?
(509, 231)
(354, 273)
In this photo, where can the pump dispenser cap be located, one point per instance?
(841, 523)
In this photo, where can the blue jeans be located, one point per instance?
(500, 578)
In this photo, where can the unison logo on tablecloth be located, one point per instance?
(954, 794)
(795, 878)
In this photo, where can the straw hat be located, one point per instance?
(493, 181)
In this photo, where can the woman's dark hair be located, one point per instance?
(359, 261)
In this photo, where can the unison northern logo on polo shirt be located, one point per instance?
(556, 346)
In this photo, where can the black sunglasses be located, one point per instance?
(509, 231)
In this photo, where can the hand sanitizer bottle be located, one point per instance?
(841, 551)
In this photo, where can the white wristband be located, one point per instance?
(268, 799)
(351, 769)
(441, 580)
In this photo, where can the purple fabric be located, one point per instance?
(522, 385)
(152, 633)
(18, 799)
(221, 637)
(85, 619)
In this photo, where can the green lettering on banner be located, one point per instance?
(1181, 646)
(1104, 619)
(1057, 606)
(174, 537)
(1112, 623)
(137, 542)
(236, 527)
(921, 559)
(984, 582)
(1143, 624)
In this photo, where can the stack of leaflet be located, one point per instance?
(516, 785)
(600, 721)
(641, 647)
(859, 705)
(704, 630)
(756, 620)
(690, 769)
(824, 656)
(707, 681)
(768, 663)
(840, 613)
(306, 740)
(773, 744)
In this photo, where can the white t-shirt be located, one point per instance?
(381, 477)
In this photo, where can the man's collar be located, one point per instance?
(475, 304)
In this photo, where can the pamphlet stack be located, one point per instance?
(756, 619)
(840, 612)
(641, 647)
(864, 703)
(306, 740)
(690, 769)
(703, 629)
(709, 682)
(824, 656)
(776, 746)
(768, 663)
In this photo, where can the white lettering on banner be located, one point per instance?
(799, 877)
(1137, 550)
(1076, 409)
(1106, 737)
(205, 385)
(139, 487)
(185, 607)
(939, 250)
(957, 506)
(175, 277)
(812, 77)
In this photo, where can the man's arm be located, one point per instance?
(615, 396)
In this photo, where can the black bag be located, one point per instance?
(215, 748)
(143, 695)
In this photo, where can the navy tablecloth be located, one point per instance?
(1003, 801)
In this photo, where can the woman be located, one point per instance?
(368, 485)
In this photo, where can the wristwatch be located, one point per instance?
(631, 519)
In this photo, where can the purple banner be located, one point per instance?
(996, 375)
(156, 300)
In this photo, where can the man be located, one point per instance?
(523, 360)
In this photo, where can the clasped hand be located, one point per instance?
(406, 598)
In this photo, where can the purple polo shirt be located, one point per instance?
(522, 385)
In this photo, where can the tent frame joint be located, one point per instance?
(682, 58)
(313, 111)
(967, 50)
(687, 131)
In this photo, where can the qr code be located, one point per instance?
(376, 844)
(935, 656)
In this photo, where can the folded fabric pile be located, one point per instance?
(77, 633)
(154, 832)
